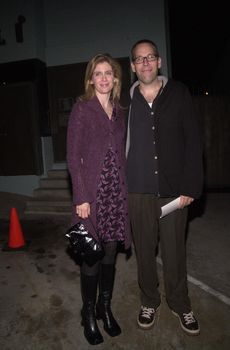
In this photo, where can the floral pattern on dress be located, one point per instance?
(109, 202)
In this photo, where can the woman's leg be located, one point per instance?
(106, 283)
(89, 282)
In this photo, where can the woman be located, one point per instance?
(96, 162)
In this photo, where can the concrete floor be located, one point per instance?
(40, 297)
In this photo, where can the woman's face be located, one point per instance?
(103, 78)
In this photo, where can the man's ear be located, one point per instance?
(133, 67)
(159, 63)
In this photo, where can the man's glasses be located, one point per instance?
(140, 59)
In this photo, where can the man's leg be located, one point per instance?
(145, 235)
(173, 252)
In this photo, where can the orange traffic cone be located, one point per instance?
(16, 240)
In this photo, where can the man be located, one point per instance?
(164, 161)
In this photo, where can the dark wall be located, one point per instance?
(24, 116)
(34, 71)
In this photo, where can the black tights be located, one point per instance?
(110, 249)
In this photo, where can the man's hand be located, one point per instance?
(185, 201)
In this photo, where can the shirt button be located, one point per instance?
(152, 113)
(155, 157)
(153, 127)
(156, 172)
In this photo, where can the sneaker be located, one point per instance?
(146, 317)
(188, 323)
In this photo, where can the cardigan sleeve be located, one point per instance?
(76, 133)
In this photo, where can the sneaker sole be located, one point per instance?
(145, 326)
(187, 331)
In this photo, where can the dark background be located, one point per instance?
(199, 35)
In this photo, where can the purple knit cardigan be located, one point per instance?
(89, 136)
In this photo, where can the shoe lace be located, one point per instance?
(189, 318)
(147, 311)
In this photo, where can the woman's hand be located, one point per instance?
(83, 210)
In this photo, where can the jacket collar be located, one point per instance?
(136, 83)
(95, 104)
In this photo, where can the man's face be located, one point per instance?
(146, 63)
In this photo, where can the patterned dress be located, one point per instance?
(110, 206)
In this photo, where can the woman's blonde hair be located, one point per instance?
(116, 68)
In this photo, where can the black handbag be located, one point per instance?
(83, 245)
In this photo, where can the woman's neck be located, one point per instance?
(106, 104)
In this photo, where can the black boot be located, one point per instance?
(89, 292)
(103, 310)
